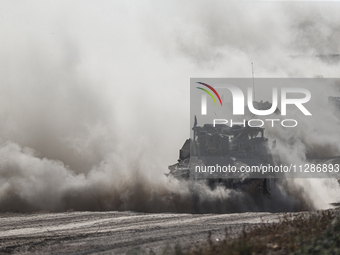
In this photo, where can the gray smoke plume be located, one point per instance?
(94, 98)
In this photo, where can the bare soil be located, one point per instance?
(116, 232)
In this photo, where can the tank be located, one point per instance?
(236, 147)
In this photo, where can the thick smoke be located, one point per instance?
(94, 98)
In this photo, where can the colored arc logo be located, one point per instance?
(213, 90)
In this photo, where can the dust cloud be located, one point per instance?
(94, 98)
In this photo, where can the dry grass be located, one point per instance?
(309, 233)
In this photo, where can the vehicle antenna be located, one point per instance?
(252, 70)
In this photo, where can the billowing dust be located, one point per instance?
(94, 99)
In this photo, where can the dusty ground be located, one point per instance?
(114, 232)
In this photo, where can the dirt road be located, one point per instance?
(114, 232)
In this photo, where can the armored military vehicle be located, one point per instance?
(237, 148)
